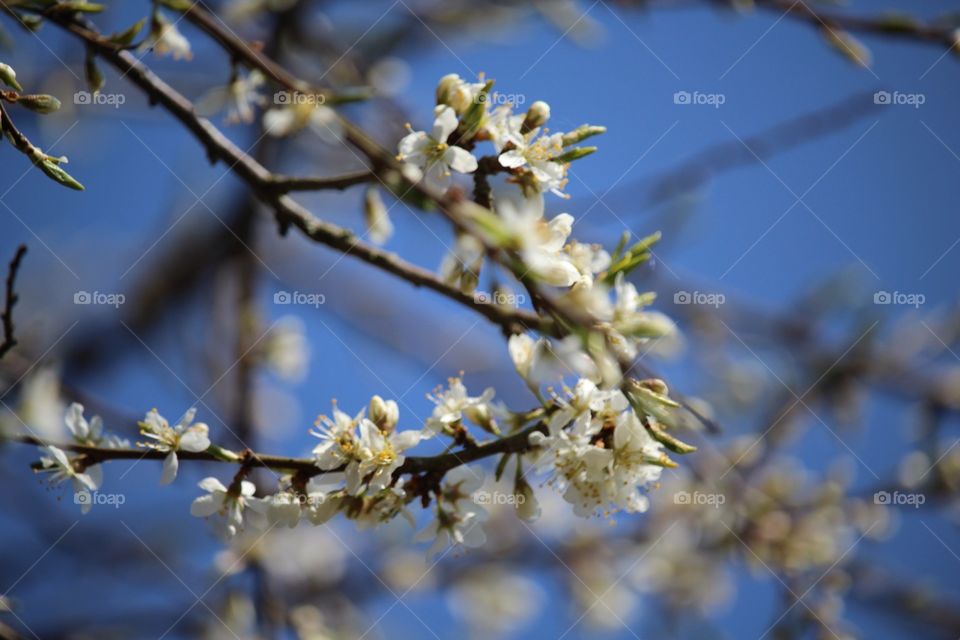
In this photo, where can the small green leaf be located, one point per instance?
(126, 37)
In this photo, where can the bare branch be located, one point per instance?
(9, 340)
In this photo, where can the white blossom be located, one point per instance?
(539, 241)
(230, 505)
(89, 433)
(165, 38)
(304, 114)
(239, 98)
(338, 439)
(62, 469)
(601, 465)
(185, 436)
(378, 456)
(537, 155)
(432, 152)
(454, 403)
(458, 518)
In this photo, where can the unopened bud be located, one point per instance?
(581, 133)
(480, 415)
(537, 115)
(656, 385)
(528, 509)
(384, 413)
(445, 88)
(574, 154)
(376, 217)
(41, 103)
(9, 77)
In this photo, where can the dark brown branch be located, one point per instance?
(306, 467)
(285, 184)
(9, 340)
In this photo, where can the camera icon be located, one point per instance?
(282, 297)
(82, 297)
(882, 497)
(681, 497)
(681, 97)
(82, 97)
(482, 297)
(281, 97)
(882, 97)
(82, 498)
(882, 297)
(681, 297)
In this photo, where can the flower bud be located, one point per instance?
(581, 133)
(480, 415)
(537, 115)
(41, 103)
(375, 217)
(9, 77)
(384, 413)
(446, 87)
(528, 509)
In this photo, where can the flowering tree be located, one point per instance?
(600, 426)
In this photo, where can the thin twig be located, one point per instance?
(9, 340)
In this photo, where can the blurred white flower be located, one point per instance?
(62, 469)
(164, 38)
(494, 601)
(458, 518)
(229, 505)
(285, 348)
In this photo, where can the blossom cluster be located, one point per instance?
(601, 442)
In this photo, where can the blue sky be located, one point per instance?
(875, 199)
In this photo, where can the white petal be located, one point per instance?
(460, 160)
(170, 466)
(212, 485)
(205, 506)
(196, 438)
(444, 125)
(512, 159)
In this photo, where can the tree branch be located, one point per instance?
(306, 467)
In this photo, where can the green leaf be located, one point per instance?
(126, 37)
